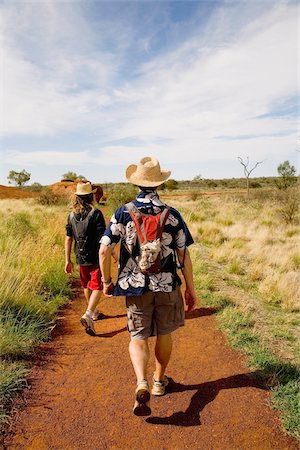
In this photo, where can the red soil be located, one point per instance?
(13, 192)
(66, 188)
(82, 391)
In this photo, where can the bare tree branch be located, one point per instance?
(247, 171)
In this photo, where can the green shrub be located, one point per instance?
(121, 194)
(34, 187)
(48, 198)
(289, 205)
(171, 185)
(194, 195)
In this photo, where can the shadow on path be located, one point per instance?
(111, 333)
(200, 312)
(116, 316)
(206, 393)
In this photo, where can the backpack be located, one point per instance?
(84, 248)
(149, 230)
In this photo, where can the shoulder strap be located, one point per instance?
(137, 218)
(162, 221)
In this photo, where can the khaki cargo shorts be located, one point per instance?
(154, 313)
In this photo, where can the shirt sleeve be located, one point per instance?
(69, 231)
(100, 224)
(183, 236)
(115, 230)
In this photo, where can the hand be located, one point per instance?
(190, 299)
(69, 267)
(108, 289)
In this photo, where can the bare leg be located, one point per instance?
(87, 294)
(163, 349)
(93, 300)
(139, 355)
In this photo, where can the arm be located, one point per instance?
(190, 293)
(105, 267)
(68, 248)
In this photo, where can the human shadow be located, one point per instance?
(107, 316)
(111, 333)
(205, 394)
(200, 312)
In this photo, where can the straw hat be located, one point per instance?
(147, 173)
(84, 189)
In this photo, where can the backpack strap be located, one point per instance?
(137, 218)
(162, 221)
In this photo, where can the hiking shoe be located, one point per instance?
(87, 322)
(159, 387)
(98, 316)
(142, 397)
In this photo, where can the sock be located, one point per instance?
(89, 313)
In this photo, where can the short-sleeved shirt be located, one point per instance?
(131, 281)
(95, 230)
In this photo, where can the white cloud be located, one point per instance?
(217, 83)
(48, 158)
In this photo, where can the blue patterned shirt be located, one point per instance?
(131, 281)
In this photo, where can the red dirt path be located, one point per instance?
(82, 387)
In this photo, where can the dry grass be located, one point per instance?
(252, 240)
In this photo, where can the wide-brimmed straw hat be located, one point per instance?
(147, 173)
(84, 189)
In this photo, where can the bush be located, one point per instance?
(121, 194)
(194, 195)
(47, 197)
(171, 185)
(289, 205)
(35, 187)
(254, 184)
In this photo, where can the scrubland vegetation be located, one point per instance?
(247, 266)
(32, 286)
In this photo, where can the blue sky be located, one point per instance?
(94, 86)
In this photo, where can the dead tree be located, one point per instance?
(247, 171)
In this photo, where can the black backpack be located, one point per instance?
(85, 245)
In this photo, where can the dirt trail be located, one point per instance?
(82, 387)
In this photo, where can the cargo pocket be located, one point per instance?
(179, 307)
(130, 322)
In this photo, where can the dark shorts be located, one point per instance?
(90, 277)
(154, 313)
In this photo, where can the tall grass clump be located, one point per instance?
(282, 377)
(248, 268)
(32, 286)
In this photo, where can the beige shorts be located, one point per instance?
(154, 313)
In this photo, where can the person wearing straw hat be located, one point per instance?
(153, 298)
(85, 225)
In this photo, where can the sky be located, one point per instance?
(94, 86)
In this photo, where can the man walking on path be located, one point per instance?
(86, 226)
(148, 275)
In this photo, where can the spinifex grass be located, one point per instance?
(243, 332)
(32, 285)
(248, 248)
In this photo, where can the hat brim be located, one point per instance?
(133, 178)
(86, 193)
